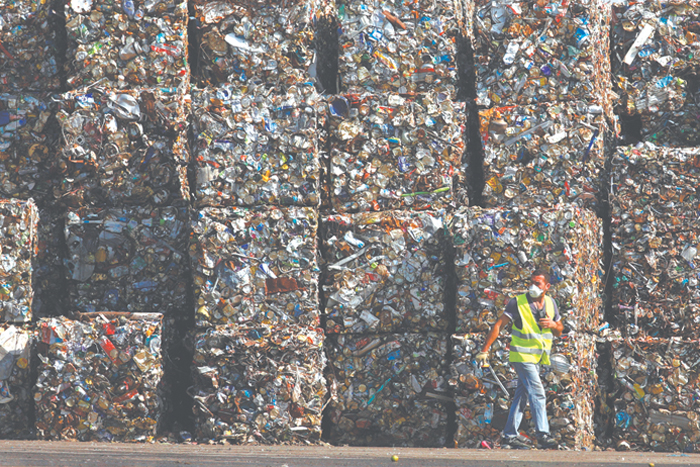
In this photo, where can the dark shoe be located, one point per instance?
(514, 443)
(546, 442)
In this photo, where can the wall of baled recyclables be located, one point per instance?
(288, 187)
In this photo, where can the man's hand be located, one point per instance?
(556, 326)
(547, 323)
(482, 357)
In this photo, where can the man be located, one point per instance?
(535, 319)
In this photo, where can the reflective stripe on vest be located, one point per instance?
(530, 343)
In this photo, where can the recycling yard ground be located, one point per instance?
(41, 453)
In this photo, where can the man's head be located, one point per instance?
(540, 279)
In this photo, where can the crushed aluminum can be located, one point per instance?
(259, 384)
(388, 389)
(543, 155)
(655, 49)
(497, 250)
(28, 48)
(482, 407)
(28, 137)
(655, 394)
(398, 47)
(16, 350)
(126, 44)
(256, 40)
(532, 52)
(385, 272)
(391, 151)
(100, 377)
(255, 265)
(131, 258)
(122, 148)
(18, 239)
(256, 146)
(655, 240)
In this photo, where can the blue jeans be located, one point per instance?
(529, 386)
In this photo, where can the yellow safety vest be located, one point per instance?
(531, 344)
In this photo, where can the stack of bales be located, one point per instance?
(655, 236)
(258, 357)
(397, 169)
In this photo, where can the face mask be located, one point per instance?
(534, 291)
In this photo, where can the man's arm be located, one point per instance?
(495, 331)
(556, 326)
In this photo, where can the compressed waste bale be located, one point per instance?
(398, 47)
(126, 44)
(656, 403)
(266, 152)
(100, 377)
(482, 406)
(655, 48)
(532, 52)
(259, 384)
(122, 147)
(390, 151)
(655, 239)
(18, 239)
(50, 286)
(388, 389)
(256, 265)
(133, 258)
(28, 50)
(16, 346)
(543, 155)
(258, 40)
(385, 271)
(497, 250)
(28, 136)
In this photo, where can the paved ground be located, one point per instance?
(36, 453)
